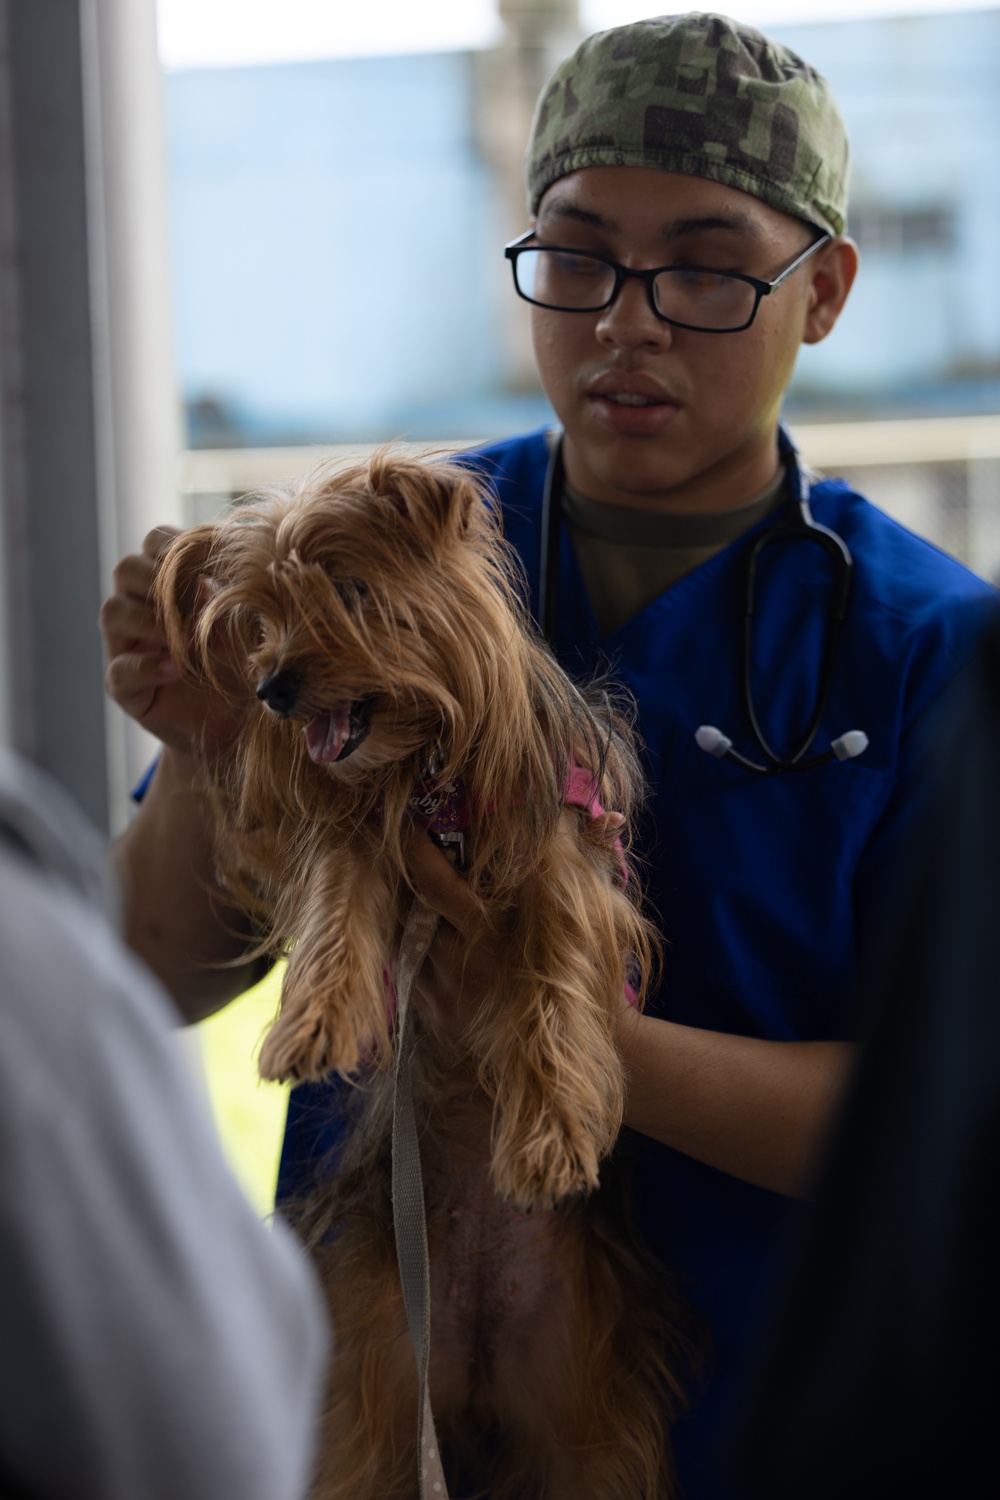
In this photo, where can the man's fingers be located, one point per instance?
(127, 623)
(608, 826)
(156, 542)
(447, 958)
(133, 678)
(440, 885)
(133, 576)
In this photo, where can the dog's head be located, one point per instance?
(372, 610)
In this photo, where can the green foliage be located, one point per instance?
(250, 1114)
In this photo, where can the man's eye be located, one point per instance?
(694, 280)
(568, 264)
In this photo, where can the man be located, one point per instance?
(158, 1341)
(687, 179)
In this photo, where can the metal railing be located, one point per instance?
(940, 476)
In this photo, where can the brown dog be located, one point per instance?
(377, 616)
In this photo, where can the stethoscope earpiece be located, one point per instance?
(713, 741)
(848, 747)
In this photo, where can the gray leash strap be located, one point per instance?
(409, 1221)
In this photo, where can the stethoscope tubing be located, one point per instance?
(795, 523)
(548, 562)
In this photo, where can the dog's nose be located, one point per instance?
(279, 690)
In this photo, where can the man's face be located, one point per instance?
(706, 440)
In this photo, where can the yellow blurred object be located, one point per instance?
(250, 1114)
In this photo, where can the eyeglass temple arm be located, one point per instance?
(772, 286)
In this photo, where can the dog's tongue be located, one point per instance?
(326, 733)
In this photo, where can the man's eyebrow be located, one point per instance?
(579, 215)
(735, 223)
(730, 223)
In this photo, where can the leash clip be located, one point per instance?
(451, 842)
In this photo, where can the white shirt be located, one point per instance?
(157, 1342)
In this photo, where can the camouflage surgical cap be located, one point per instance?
(702, 95)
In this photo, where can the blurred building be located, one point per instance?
(922, 329)
(332, 233)
(337, 234)
(338, 226)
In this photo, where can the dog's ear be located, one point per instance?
(182, 587)
(468, 500)
(447, 498)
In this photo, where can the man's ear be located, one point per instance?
(832, 275)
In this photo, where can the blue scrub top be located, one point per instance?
(765, 887)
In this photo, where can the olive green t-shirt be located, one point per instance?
(629, 557)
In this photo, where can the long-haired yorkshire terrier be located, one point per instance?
(376, 615)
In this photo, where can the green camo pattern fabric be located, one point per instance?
(699, 94)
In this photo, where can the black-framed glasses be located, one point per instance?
(692, 297)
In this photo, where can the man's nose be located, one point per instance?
(630, 320)
(279, 690)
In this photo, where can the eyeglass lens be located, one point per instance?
(579, 283)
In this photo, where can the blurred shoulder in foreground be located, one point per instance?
(158, 1340)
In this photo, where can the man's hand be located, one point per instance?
(758, 1109)
(141, 677)
(464, 956)
(466, 952)
(164, 858)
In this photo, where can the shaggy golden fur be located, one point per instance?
(378, 613)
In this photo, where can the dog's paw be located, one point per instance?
(538, 1168)
(307, 1049)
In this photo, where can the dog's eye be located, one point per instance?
(351, 591)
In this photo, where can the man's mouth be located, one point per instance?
(632, 412)
(337, 733)
(622, 398)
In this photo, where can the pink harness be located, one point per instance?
(445, 813)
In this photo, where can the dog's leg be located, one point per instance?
(333, 1000)
(367, 1447)
(548, 1041)
(587, 1397)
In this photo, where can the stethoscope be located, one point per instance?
(795, 523)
